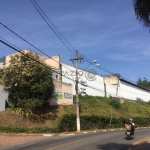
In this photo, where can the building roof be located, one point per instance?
(124, 80)
(117, 75)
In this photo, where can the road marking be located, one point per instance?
(84, 132)
(68, 134)
(48, 135)
(104, 130)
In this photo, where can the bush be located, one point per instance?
(13, 129)
(68, 123)
(114, 102)
(139, 100)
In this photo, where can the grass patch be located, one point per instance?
(90, 106)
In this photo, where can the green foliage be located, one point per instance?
(139, 100)
(96, 105)
(114, 102)
(95, 113)
(13, 129)
(142, 11)
(143, 83)
(67, 123)
(29, 83)
(1, 75)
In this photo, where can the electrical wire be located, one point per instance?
(53, 25)
(51, 57)
(52, 28)
(42, 13)
(30, 44)
(18, 50)
(121, 89)
(60, 36)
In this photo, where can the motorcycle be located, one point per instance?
(129, 133)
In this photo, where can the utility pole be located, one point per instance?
(76, 59)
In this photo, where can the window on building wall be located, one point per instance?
(56, 76)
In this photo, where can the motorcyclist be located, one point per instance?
(130, 121)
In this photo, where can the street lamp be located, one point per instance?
(93, 63)
(93, 66)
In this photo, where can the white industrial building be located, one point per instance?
(109, 85)
(89, 83)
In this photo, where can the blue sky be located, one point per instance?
(103, 30)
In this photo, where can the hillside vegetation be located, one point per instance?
(90, 105)
(96, 105)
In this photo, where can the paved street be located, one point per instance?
(105, 140)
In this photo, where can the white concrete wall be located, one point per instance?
(97, 86)
(111, 90)
(123, 90)
(1, 65)
(64, 91)
(3, 98)
(132, 92)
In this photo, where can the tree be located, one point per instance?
(142, 11)
(143, 83)
(29, 83)
(1, 75)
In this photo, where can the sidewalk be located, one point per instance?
(9, 139)
(143, 144)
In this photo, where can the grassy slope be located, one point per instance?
(89, 106)
(100, 106)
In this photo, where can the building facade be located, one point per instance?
(90, 83)
(109, 85)
(63, 92)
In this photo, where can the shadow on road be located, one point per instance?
(114, 146)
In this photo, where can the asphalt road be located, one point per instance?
(109, 140)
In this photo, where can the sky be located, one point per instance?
(102, 30)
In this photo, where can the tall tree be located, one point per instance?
(142, 11)
(29, 83)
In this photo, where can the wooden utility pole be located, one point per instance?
(76, 59)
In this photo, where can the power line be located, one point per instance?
(40, 11)
(53, 70)
(53, 25)
(52, 28)
(18, 50)
(51, 57)
(120, 88)
(30, 44)
(60, 36)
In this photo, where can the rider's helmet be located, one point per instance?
(130, 119)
